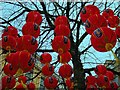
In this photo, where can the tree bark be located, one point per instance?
(79, 74)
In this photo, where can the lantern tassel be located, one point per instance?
(116, 58)
(19, 72)
(24, 85)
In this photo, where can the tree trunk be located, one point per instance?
(79, 75)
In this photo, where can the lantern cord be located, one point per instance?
(116, 58)
(24, 86)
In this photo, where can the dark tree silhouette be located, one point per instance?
(84, 57)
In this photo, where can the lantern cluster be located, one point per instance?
(61, 42)
(21, 48)
(23, 84)
(31, 27)
(61, 45)
(50, 81)
(98, 25)
(9, 82)
(104, 79)
(17, 63)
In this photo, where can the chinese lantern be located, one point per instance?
(90, 80)
(100, 69)
(24, 58)
(28, 43)
(13, 58)
(50, 82)
(110, 75)
(65, 71)
(62, 30)
(22, 79)
(113, 21)
(65, 57)
(48, 70)
(34, 16)
(31, 28)
(69, 83)
(8, 82)
(9, 70)
(61, 44)
(95, 21)
(45, 58)
(9, 43)
(26, 61)
(10, 30)
(31, 86)
(88, 11)
(9, 57)
(117, 31)
(103, 41)
(61, 20)
(107, 13)
(20, 86)
(103, 81)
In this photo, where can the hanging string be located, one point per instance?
(116, 58)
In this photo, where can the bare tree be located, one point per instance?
(84, 59)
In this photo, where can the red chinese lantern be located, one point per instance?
(113, 21)
(48, 70)
(88, 11)
(31, 86)
(100, 69)
(9, 43)
(70, 83)
(103, 81)
(45, 58)
(13, 58)
(28, 43)
(9, 70)
(65, 71)
(61, 20)
(91, 87)
(10, 30)
(107, 13)
(103, 41)
(20, 87)
(65, 57)
(9, 57)
(26, 61)
(95, 21)
(50, 82)
(61, 44)
(31, 28)
(8, 82)
(90, 80)
(62, 30)
(34, 16)
(110, 75)
(117, 31)
(22, 79)
(24, 58)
